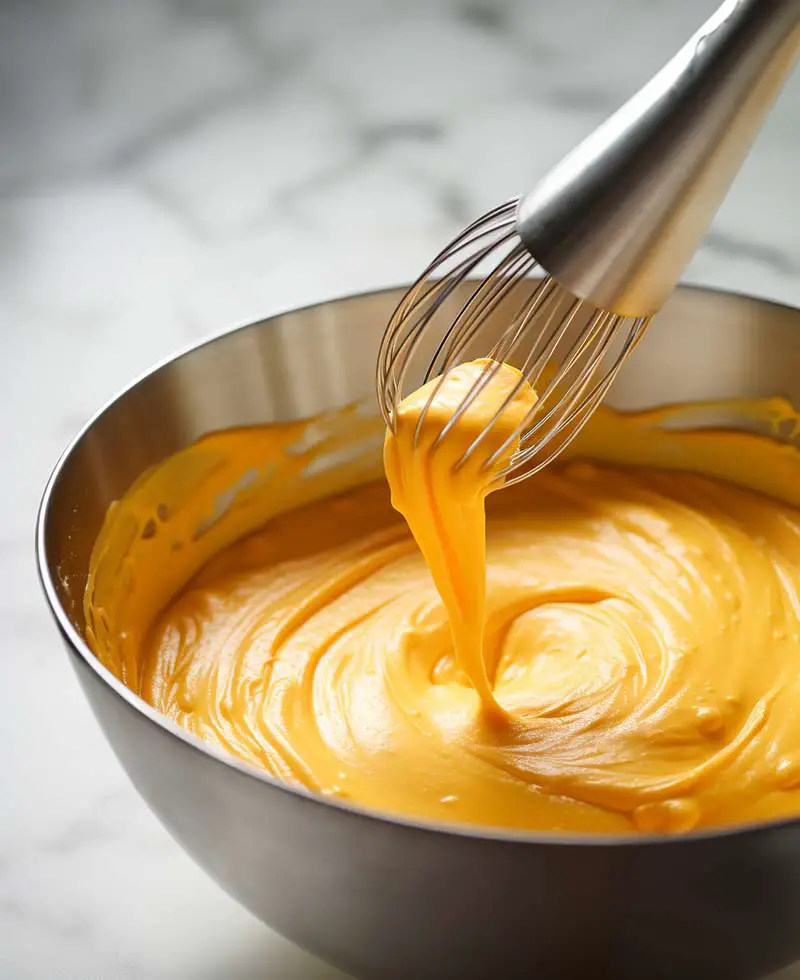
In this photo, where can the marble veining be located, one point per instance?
(171, 167)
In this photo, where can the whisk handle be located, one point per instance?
(617, 221)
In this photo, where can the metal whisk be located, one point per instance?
(608, 231)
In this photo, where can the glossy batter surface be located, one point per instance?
(641, 641)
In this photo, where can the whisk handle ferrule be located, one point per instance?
(618, 220)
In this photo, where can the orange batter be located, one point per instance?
(440, 487)
(630, 661)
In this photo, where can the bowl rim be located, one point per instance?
(78, 648)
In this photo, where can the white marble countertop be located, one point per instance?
(171, 167)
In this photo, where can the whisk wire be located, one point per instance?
(540, 412)
(573, 418)
(500, 219)
(471, 319)
(408, 334)
(501, 351)
(482, 303)
(528, 374)
(568, 337)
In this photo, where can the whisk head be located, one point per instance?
(565, 348)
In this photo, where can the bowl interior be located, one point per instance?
(704, 346)
(311, 868)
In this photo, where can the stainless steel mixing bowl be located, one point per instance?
(395, 899)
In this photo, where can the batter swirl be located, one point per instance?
(641, 642)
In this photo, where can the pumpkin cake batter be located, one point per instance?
(623, 652)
